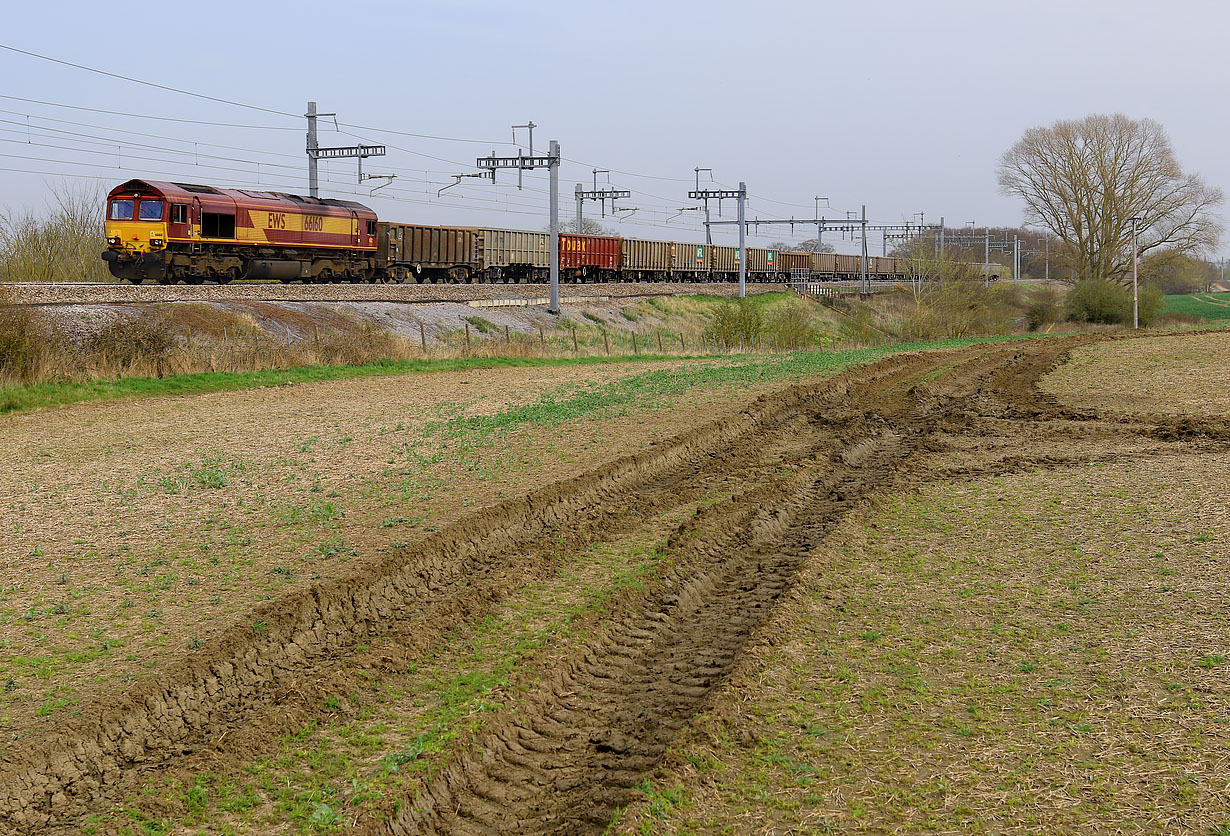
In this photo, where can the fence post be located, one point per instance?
(606, 342)
(506, 337)
(682, 347)
(574, 340)
(467, 336)
(661, 350)
(542, 336)
(422, 335)
(287, 336)
(634, 351)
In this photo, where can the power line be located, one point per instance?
(148, 116)
(147, 83)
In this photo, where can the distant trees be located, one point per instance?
(1175, 272)
(588, 227)
(808, 246)
(1084, 179)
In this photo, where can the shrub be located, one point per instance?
(363, 345)
(1099, 300)
(1150, 302)
(791, 324)
(25, 341)
(146, 340)
(1044, 308)
(737, 323)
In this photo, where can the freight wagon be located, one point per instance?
(762, 264)
(641, 260)
(792, 261)
(511, 255)
(690, 262)
(428, 253)
(588, 257)
(724, 262)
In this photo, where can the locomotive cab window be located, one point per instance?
(179, 213)
(150, 210)
(371, 227)
(121, 210)
(217, 225)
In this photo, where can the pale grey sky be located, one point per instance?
(903, 106)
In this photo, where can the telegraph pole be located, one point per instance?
(986, 256)
(864, 222)
(529, 162)
(553, 168)
(1135, 263)
(941, 237)
(742, 233)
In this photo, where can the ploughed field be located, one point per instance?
(973, 589)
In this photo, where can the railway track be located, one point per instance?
(87, 293)
(591, 720)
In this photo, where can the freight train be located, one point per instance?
(170, 232)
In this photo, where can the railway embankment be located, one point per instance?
(67, 293)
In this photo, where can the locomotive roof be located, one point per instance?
(185, 191)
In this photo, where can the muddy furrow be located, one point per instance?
(570, 753)
(458, 573)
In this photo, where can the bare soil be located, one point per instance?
(525, 667)
(1026, 636)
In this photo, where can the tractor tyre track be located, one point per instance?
(599, 720)
(570, 754)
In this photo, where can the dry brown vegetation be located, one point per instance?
(179, 339)
(62, 244)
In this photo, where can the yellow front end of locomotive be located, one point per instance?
(136, 236)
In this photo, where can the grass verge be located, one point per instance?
(33, 396)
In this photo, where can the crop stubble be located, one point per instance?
(591, 722)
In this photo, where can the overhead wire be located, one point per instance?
(356, 126)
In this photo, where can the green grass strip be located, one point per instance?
(19, 397)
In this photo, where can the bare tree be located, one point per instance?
(588, 227)
(1083, 180)
(809, 246)
(64, 243)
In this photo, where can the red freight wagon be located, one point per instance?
(583, 256)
